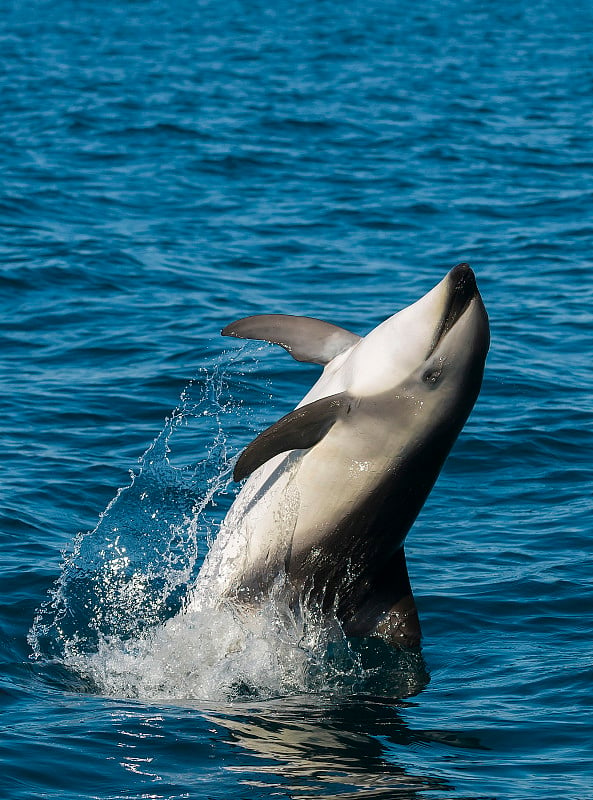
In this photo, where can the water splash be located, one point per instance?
(132, 571)
(221, 652)
(133, 616)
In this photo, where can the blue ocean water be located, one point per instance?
(169, 167)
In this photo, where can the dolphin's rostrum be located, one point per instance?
(355, 461)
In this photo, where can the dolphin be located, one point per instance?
(334, 486)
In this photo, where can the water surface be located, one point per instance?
(169, 167)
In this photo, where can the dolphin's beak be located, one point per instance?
(461, 287)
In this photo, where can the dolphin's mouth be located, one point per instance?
(462, 290)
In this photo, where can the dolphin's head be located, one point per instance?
(438, 343)
(451, 370)
(435, 351)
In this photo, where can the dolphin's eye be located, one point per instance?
(432, 376)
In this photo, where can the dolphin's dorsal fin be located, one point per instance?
(299, 430)
(389, 609)
(305, 338)
(400, 624)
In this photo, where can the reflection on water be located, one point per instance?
(329, 745)
(326, 748)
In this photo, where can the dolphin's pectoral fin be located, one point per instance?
(305, 338)
(299, 430)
